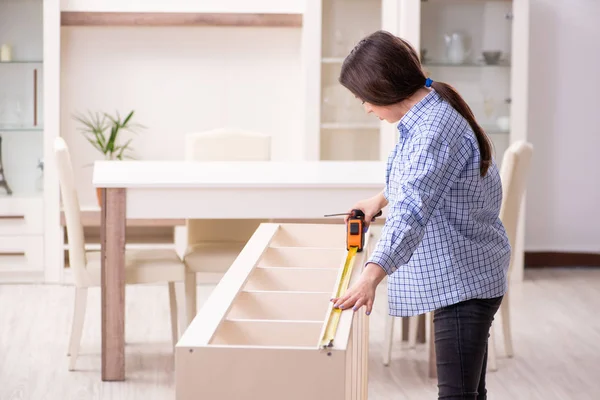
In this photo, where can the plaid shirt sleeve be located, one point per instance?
(435, 162)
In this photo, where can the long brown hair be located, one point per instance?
(384, 69)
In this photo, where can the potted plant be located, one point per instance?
(102, 131)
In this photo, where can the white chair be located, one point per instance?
(513, 173)
(516, 164)
(141, 266)
(213, 244)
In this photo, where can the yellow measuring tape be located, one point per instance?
(334, 316)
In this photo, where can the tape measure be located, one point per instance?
(335, 314)
(355, 241)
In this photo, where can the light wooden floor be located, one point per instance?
(556, 337)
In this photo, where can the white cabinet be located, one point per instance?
(337, 127)
(21, 239)
(480, 48)
(458, 39)
(496, 91)
(261, 332)
(21, 141)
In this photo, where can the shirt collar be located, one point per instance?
(416, 112)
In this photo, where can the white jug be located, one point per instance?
(456, 48)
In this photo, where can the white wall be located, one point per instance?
(181, 80)
(564, 190)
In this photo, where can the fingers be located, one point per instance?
(359, 303)
(369, 306)
(349, 302)
(344, 302)
(354, 301)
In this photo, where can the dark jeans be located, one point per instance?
(461, 339)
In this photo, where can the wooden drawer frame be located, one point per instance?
(257, 335)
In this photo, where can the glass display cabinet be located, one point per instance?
(346, 131)
(477, 46)
(468, 45)
(21, 141)
(21, 82)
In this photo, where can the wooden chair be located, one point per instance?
(213, 244)
(514, 171)
(142, 266)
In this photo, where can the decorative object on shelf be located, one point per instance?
(95, 126)
(5, 53)
(457, 49)
(423, 56)
(503, 123)
(3, 182)
(491, 57)
(39, 182)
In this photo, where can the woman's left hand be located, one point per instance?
(362, 293)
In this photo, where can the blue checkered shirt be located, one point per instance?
(442, 241)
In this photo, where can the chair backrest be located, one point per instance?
(516, 163)
(70, 200)
(225, 145)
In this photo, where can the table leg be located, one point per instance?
(113, 284)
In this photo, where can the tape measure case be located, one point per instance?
(257, 336)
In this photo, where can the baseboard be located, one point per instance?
(540, 259)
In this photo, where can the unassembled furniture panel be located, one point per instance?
(257, 336)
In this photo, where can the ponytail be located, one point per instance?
(449, 94)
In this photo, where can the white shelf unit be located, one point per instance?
(22, 141)
(337, 127)
(488, 25)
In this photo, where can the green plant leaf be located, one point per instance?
(94, 127)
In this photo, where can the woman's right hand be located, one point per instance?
(370, 207)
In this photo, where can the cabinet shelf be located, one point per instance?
(350, 125)
(332, 60)
(500, 64)
(22, 62)
(13, 128)
(20, 196)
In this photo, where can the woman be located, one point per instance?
(443, 245)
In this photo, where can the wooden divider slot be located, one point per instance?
(292, 279)
(306, 235)
(267, 333)
(298, 306)
(298, 257)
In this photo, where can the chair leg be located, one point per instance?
(77, 325)
(173, 308)
(492, 365)
(430, 339)
(413, 328)
(388, 339)
(190, 295)
(507, 333)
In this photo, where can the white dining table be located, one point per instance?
(295, 190)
